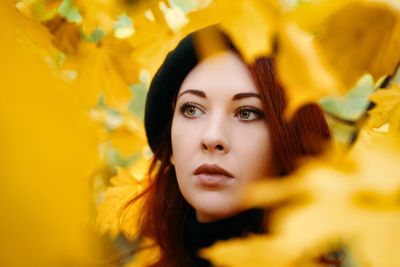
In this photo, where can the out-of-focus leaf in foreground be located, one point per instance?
(302, 70)
(147, 255)
(342, 199)
(350, 38)
(251, 25)
(322, 47)
(48, 152)
(359, 37)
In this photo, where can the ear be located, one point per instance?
(171, 159)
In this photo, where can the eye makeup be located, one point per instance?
(246, 113)
(191, 110)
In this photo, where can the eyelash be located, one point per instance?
(183, 109)
(258, 113)
(187, 105)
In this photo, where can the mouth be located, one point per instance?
(212, 175)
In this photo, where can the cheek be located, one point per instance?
(177, 139)
(254, 154)
(183, 141)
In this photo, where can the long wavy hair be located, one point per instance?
(165, 210)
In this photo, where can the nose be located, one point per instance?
(215, 137)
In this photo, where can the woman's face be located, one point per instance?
(220, 138)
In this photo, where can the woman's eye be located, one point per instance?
(249, 114)
(190, 110)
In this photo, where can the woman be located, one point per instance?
(216, 125)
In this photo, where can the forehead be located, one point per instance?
(225, 72)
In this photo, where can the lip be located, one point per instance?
(212, 175)
(212, 169)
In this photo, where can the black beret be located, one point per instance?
(164, 88)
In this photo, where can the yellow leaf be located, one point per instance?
(29, 33)
(154, 39)
(120, 52)
(66, 35)
(141, 166)
(119, 213)
(337, 200)
(48, 152)
(99, 13)
(251, 25)
(302, 70)
(387, 109)
(148, 254)
(103, 68)
(40, 10)
(360, 38)
(128, 141)
(356, 37)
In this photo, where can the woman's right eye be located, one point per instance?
(191, 110)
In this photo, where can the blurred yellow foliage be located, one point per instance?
(340, 199)
(350, 38)
(48, 152)
(374, 30)
(60, 57)
(252, 25)
(148, 254)
(99, 13)
(304, 75)
(128, 141)
(154, 39)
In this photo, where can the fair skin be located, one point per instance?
(220, 138)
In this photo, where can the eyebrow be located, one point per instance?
(194, 92)
(245, 95)
(202, 94)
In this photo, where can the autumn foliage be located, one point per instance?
(74, 154)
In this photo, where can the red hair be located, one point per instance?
(165, 210)
(305, 134)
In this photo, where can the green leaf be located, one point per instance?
(342, 132)
(137, 103)
(115, 158)
(144, 77)
(95, 37)
(70, 13)
(123, 28)
(396, 76)
(186, 5)
(101, 102)
(353, 105)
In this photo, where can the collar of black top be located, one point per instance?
(164, 88)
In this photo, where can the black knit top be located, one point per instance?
(198, 235)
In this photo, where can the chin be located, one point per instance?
(214, 206)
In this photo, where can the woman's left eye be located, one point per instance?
(249, 114)
(190, 110)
